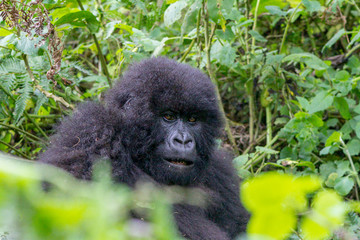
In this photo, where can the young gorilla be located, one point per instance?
(159, 123)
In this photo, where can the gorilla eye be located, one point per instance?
(192, 119)
(169, 117)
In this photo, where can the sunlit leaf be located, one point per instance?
(173, 12)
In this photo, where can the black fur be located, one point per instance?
(126, 129)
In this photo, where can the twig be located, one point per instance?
(22, 131)
(287, 27)
(25, 113)
(37, 86)
(14, 149)
(356, 175)
(101, 56)
(188, 50)
(208, 39)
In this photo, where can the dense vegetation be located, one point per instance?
(287, 74)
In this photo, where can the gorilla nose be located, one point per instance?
(182, 142)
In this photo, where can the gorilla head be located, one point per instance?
(169, 119)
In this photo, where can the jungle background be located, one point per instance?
(287, 74)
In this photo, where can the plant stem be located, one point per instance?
(14, 149)
(101, 56)
(287, 27)
(257, 156)
(268, 126)
(356, 6)
(188, 50)
(46, 93)
(250, 82)
(25, 113)
(22, 131)
(250, 92)
(208, 39)
(356, 175)
(254, 25)
(352, 51)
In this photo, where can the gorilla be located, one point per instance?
(159, 123)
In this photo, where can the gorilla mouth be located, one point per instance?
(180, 162)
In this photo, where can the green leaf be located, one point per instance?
(190, 18)
(344, 185)
(354, 147)
(279, 3)
(315, 120)
(277, 197)
(80, 19)
(309, 59)
(257, 36)
(275, 10)
(325, 151)
(326, 169)
(227, 5)
(342, 75)
(228, 35)
(27, 45)
(306, 164)
(111, 26)
(173, 12)
(213, 10)
(357, 129)
(341, 104)
(342, 168)
(22, 100)
(224, 54)
(321, 102)
(328, 213)
(240, 161)
(335, 137)
(330, 181)
(334, 39)
(312, 6)
(354, 39)
(266, 150)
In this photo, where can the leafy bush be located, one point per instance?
(287, 73)
(77, 210)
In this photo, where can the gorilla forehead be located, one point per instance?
(166, 84)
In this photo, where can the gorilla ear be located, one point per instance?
(115, 100)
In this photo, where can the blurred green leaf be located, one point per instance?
(80, 19)
(173, 12)
(321, 102)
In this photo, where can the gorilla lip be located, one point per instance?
(179, 162)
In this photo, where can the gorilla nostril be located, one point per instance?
(177, 140)
(188, 142)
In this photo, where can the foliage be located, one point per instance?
(76, 210)
(286, 202)
(287, 73)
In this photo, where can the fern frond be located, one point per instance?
(11, 66)
(25, 94)
(41, 99)
(8, 82)
(77, 65)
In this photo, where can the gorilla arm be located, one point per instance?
(193, 224)
(79, 139)
(225, 208)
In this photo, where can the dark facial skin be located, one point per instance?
(177, 153)
(179, 147)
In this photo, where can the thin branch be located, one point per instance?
(22, 131)
(208, 39)
(14, 149)
(101, 56)
(25, 113)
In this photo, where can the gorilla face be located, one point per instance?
(177, 155)
(170, 119)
